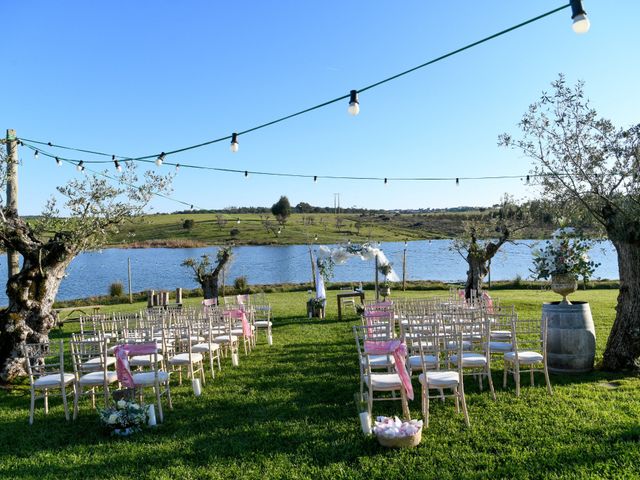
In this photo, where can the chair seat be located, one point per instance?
(524, 357)
(225, 339)
(440, 379)
(148, 378)
(53, 380)
(500, 346)
(470, 359)
(205, 347)
(416, 364)
(96, 364)
(263, 323)
(237, 332)
(384, 381)
(194, 338)
(97, 378)
(500, 335)
(380, 361)
(183, 359)
(144, 360)
(452, 345)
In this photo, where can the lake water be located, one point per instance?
(91, 273)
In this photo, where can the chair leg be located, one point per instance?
(490, 381)
(425, 405)
(531, 375)
(64, 402)
(516, 377)
(76, 394)
(504, 376)
(464, 406)
(405, 405)
(455, 392)
(546, 379)
(33, 406)
(156, 388)
(46, 401)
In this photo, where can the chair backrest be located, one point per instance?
(44, 359)
(424, 338)
(362, 333)
(530, 335)
(88, 356)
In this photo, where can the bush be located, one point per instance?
(188, 224)
(116, 289)
(234, 232)
(241, 284)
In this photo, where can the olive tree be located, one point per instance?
(483, 237)
(206, 274)
(590, 168)
(94, 208)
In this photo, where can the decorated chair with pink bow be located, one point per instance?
(369, 343)
(156, 379)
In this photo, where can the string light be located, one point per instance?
(528, 179)
(160, 159)
(58, 162)
(116, 163)
(354, 104)
(238, 221)
(581, 23)
(177, 167)
(234, 142)
(315, 179)
(80, 166)
(246, 173)
(385, 181)
(457, 182)
(35, 154)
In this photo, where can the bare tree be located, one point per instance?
(221, 221)
(590, 168)
(94, 209)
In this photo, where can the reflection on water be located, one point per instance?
(159, 268)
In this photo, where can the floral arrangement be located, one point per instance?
(565, 254)
(385, 269)
(124, 418)
(388, 427)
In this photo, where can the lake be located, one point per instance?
(91, 273)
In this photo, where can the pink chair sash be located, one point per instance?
(488, 301)
(242, 299)
(123, 352)
(209, 302)
(399, 351)
(239, 313)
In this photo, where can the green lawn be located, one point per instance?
(288, 412)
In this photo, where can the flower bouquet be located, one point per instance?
(394, 433)
(123, 419)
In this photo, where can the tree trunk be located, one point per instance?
(623, 345)
(475, 275)
(210, 286)
(29, 316)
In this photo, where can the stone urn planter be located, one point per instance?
(384, 291)
(564, 284)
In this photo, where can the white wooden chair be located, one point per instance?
(529, 352)
(90, 363)
(184, 356)
(45, 367)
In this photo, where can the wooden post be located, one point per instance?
(222, 289)
(13, 258)
(489, 274)
(150, 295)
(404, 267)
(376, 282)
(129, 271)
(178, 295)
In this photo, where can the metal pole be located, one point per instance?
(404, 267)
(13, 258)
(313, 269)
(376, 283)
(129, 271)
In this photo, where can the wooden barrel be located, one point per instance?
(571, 337)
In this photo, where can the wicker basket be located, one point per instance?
(401, 442)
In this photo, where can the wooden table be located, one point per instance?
(340, 296)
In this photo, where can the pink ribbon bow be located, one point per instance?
(399, 351)
(239, 313)
(123, 352)
(488, 301)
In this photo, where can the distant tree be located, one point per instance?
(483, 237)
(281, 209)
(188, 224)
(234, 232)
(303, 207)
(590, 168)
(206, 274)
(221, 222)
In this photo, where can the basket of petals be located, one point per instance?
(394, 433)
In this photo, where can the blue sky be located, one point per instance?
(137, 78)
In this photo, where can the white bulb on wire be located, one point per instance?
(80, 166)
(160, 159)
(234, 143)
(581, 24)
(35, 154)
(354, 104)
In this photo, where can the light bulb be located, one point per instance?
(315, 179)
(58, 162)
(177, 167)
(246, 173)
(118, 166)
(354, 104)
(80, 166)
(581, 24)
(35, 154)
(234, 142)
(386, 181)
(160, 159)
(457, 182)
(238, 221)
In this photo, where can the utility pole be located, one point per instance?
(129, 271)
(13, 259)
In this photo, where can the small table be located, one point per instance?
(340, 296)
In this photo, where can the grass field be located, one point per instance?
(288, 412)
(254, 229)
